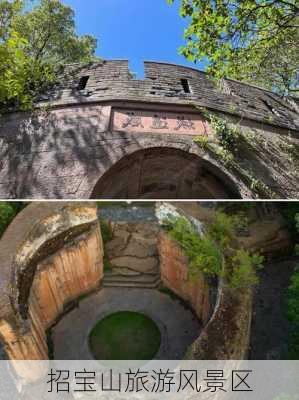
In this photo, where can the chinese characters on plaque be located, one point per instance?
(160, 122)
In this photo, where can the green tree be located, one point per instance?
(251, 40)
(8, 210)
(34, 43)
(50, 30)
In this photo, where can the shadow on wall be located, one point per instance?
(71, 153)
(63, 153)
(164, 173)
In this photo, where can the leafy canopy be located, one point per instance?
(252, 40)
(34, 43)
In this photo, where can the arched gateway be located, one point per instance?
(164, 173)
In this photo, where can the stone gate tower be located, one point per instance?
(100, 133)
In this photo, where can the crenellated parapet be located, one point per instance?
(169, 83)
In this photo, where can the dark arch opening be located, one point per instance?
(164, 173)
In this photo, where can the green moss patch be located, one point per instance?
(125, 335)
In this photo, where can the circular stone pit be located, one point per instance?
(178, 326)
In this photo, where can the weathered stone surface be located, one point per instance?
(145, 241)
(133, 250)
(123, 271)
(227, 334)
(133, 255)
(147, 265)
(146, 230)
(127, 138)
(271, 238)
(135, 245)
(122, 234)
(174, 267)
(49, 255)
(140, 250)
(267, 234)
(115, 246)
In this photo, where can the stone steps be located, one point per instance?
(140, 281)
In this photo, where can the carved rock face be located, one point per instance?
(133, 250)
(148, 265)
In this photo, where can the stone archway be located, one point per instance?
(164, 173)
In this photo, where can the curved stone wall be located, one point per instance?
(174, 275)
(71, 149)
(225, 335)
(226, 324)
(50, 255)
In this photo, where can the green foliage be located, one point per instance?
(206, 257)
(7, 213)
(243, 267)
(222, 230)
(290, 212)
(203, 254)
(8, 210)
(293, 310)
(107, 235)
(259, 187)
(293, 315)
(202, 142)
(107, 264)
(227, 134)
(34, 43)
(106, 231)
(226, 146)
(291, 149)
(50, 29)
(214, 254)
(224, 155)
(251, 40)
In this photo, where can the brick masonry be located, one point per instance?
(121, 137)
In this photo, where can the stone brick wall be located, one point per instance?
(50, 255)
(141, 132)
